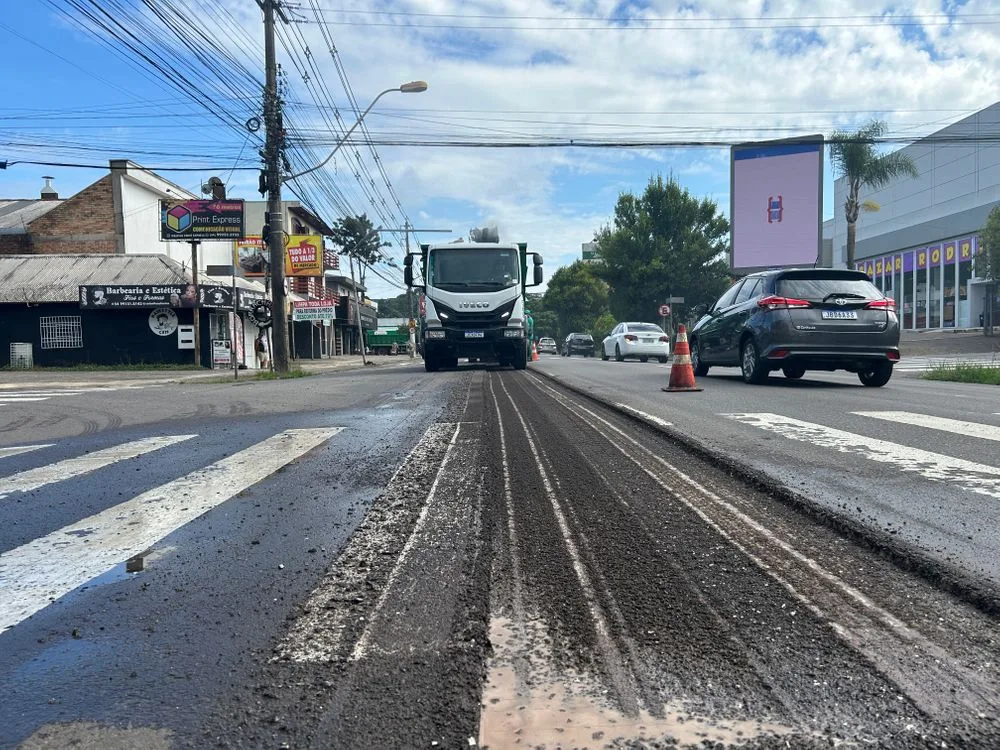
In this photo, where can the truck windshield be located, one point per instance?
(473, 269)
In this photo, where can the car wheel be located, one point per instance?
(753, 369)
(699, 367)
(793, 372)
(618, 354)
(604, 354)
(877, 375)
(663, 360)
(644, 359)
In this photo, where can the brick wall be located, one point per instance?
(84, 223)
(15, 244)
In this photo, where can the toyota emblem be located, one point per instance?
(840, 301)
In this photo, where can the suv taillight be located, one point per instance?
(886, 303)
(774, 302)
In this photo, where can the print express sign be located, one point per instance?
(201, 220)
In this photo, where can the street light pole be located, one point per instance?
(413, 87)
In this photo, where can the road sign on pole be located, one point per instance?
(664, 311)
(675, 300)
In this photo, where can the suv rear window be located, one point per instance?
(818, 289)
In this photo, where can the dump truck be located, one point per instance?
(474, 300)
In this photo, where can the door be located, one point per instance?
(735, 319)
(710, 335)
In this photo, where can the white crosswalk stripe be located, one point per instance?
(32, 479)
(45, 569)
(17, 395)
(968, 475)
(925, 363)
(957, 426)
(16, 450)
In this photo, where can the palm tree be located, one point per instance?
(853, 155)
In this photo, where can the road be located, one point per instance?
(387, 558)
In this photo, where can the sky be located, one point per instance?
(510, 83)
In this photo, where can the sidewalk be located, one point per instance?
(43, 378)
(951, 342)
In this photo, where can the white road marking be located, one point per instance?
(16, 450)
(967, 475)
(16, 399)
(45, 569)
(957, 426)
(361, 647)
(644, 415)
(17, 394)
(32, 479)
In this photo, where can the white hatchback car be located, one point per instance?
(640, 340)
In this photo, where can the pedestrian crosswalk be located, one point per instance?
(36, 573)
(14, 396)
(925, 363)
(935, 467)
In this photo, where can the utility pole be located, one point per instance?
(272, 156)
(196, 311)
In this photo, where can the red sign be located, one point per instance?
(664, 310)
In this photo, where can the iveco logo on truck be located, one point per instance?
(486, 276)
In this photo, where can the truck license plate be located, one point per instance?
(473, 334)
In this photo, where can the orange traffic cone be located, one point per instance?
(681, 371)
(534, 352)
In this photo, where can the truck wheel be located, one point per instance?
(520, 360)
(431, 364)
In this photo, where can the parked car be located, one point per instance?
(642, 340)
(796, 320)
(547, 345)
(578, 343)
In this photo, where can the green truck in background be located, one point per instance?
(387, 341)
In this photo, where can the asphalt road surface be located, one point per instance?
(475, 558)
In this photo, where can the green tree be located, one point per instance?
(988, 257)
(854, 156)
(662, 243)
(358, 238)
(577, 298)
(395, 307)
(602, 327)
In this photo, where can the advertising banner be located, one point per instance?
(965, 249)
(251, 256)
(247, 298)
(215, 296)
(304, 255)
(314, 309)
(201, 220)
(776, 203)
(118, 296)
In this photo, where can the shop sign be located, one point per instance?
(247, 298)
(304, 255)
(163, 321)
(317, 309)
(199, 220)
(153, 295)
(221, 356)
(215, 296)
(251, 256)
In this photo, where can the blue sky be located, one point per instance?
(713, 70)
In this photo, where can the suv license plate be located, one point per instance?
(840, 315)
(473, 334)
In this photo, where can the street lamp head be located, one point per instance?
(413, 87)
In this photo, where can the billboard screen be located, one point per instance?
(776, 203)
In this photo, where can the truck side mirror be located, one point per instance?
(537, 259)
(408, 273)
(538, 274)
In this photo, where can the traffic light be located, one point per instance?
(262, 183)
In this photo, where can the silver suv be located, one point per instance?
(795, 320)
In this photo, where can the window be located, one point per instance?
(61, 332)
(748, 290)
(727, 299)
